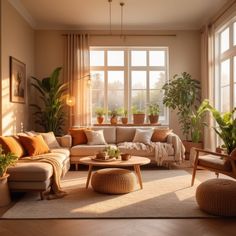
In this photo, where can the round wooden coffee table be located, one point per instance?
(134, 161)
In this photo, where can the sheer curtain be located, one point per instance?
(76, 74)
(207, 75)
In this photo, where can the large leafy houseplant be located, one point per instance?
(226, 127)
(50, 115)
(183, 93)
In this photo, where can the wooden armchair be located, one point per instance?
(216, 162)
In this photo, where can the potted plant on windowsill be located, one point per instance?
(138, 116)
(114, 113)
(182, 93)
(100, 114)
(153, 112)
(124, 118)
(6, 160)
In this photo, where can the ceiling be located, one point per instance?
(138, 14)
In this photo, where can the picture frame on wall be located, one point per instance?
(17, 81)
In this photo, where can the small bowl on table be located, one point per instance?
(125, 156)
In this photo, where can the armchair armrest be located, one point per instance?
(65, 141)
(198, 150)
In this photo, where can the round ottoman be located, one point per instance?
(217, 197)
(113, 181)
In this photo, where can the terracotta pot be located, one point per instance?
(153, 119)
(124, 120)
(188, 145)
(100, 119)
(138, 118)
(113, 120)
(5, 198)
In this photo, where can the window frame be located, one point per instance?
(127, 68)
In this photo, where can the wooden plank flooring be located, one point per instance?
(162, 227)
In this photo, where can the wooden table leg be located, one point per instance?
(138, 173)
(89, 175)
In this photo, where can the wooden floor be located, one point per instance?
(163, 227)
(121, 227)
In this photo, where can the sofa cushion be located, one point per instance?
(125, 134)
(160, 135)
(30, 171)
(109, 133)
(143, 136)
(95, 137)
(64, 151)
(86, 150)
(78, 136)
(34, 145)
(11, 144)
(50, 140)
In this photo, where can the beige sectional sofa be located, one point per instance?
(37, 176)
(122, 137)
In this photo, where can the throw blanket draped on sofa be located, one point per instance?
(56, 191)
(161, 150)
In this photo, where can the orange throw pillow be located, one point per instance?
(34, 145)
(78, 136)
(10, 144)
(160, 135)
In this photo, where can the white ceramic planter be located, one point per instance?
(5, 198)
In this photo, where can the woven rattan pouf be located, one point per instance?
(217, 197)
(113, 181)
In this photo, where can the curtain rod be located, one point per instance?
(130, 35)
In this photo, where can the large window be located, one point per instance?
(225, 79)
(128, 77)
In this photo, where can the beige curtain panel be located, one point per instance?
(76, 71)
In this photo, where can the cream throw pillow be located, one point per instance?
(95, 137)
(143, 136)
(50, 140)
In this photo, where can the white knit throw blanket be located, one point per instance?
(161, 150)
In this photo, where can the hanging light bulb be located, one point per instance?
(70, 100)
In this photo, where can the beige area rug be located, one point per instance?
(166, 194)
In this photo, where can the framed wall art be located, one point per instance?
(17, 81)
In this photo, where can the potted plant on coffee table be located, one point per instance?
(100, 112)
(6, 160)
(182, 93)
(153, 112)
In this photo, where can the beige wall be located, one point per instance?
(184, 52)
(17, 41)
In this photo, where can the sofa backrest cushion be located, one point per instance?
(11, 144)
(160, 135)
(125, 134)
(109, 134)
(34, 145)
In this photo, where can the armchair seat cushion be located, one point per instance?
(214, 162)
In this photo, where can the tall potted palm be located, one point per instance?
(6, 160)
(182, 93)
(50, 115)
